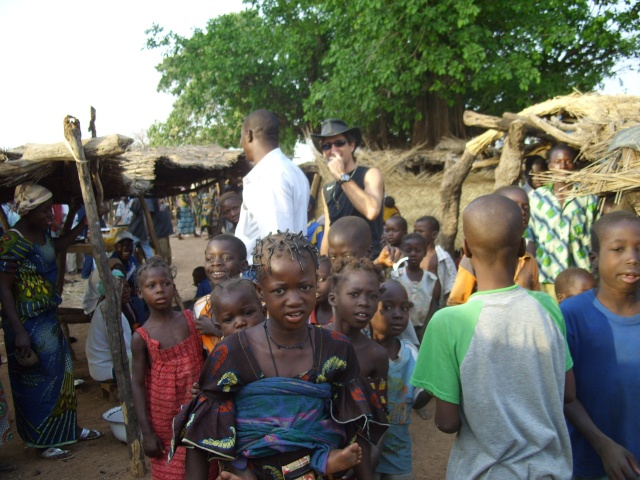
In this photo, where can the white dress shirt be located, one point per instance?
(275, 197)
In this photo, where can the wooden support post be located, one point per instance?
(111, 308)
(450, 191)
(510, 166)
(152, 231)
(4, 221)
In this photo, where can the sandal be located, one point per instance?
(56, 454)
(86, 434)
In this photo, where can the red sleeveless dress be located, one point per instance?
(168, 385)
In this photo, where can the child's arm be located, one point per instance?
(422, 400)
(435, 298)
(447, 416)
(150, 442)
(618, 462)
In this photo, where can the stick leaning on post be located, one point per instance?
(111, 308)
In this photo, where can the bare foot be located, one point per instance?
(344, 459)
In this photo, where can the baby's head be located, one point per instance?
(392, 316)
(573, 281)
(285, 266)
(225, 257)
(230, 204)
(349, 237)
(394, 229)
(236, 306)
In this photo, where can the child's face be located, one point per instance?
(340, 247)
(230, 210)
(221, 261)
(424, 229)
(289, 291)
(580, 284)
(537, 167)
(414, 249)
(355, 298)
(157, 288)
(392, 316)
(237, 310)
(393, 232)
(324, 285)
(522, 200)
(124, 250)
(618, 261)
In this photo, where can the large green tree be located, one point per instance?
(404, 70)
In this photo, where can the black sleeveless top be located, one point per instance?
(340, 206)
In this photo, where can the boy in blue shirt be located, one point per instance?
(603, 332)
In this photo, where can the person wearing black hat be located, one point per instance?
(357, 190)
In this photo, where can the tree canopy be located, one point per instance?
(403, 70)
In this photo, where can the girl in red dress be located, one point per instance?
(167, 359)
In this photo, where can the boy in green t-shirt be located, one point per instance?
(498, 365)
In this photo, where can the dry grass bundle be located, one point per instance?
(597, 119)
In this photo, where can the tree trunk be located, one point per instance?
(439, 119)
(455, 172)
(510, 166)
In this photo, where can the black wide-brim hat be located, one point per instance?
(333, 127)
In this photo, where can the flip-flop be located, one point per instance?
(87, 434)
(54, 453)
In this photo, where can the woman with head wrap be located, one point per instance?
(40, 368)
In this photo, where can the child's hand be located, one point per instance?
(388, 256)
(152, 445)
(195, 390)
(619, 463)
(205, 326)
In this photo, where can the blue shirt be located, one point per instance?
(606, 352)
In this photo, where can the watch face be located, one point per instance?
(344, 177)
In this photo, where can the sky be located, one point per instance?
(61, 58)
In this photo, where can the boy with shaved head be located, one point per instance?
(498, 365)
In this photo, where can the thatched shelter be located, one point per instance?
(123, 171)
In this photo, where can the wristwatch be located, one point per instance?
(345, 177)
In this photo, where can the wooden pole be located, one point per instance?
(450, 192)
(510, 166)
(112, 305)
(4, 221)
(152, 231)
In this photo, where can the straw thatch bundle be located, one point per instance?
(587, 122)
(616, 173)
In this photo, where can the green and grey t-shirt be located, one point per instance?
(502, 357)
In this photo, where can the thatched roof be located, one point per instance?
(587, 122)
(123, 171)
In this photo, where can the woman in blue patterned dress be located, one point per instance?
(40, 368)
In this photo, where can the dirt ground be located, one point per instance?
(107, 458)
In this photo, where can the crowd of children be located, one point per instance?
(305, 367)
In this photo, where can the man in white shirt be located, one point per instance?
(276, 192)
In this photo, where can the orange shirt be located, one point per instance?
(465, 284)
(203, 307)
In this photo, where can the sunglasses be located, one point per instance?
(338, 143)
